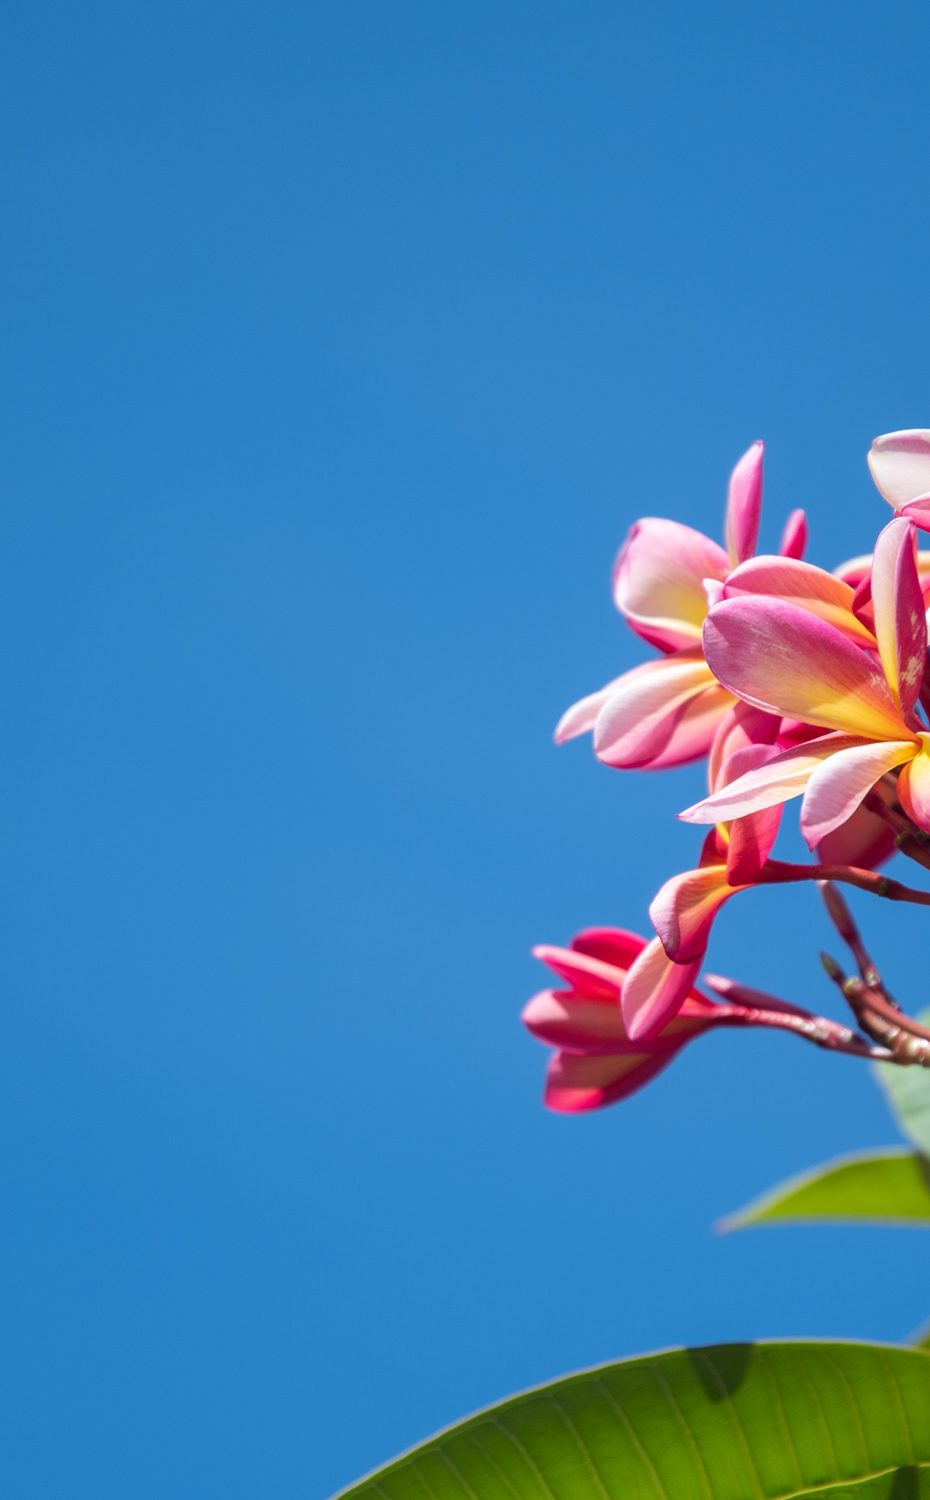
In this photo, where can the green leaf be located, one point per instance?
(908, 1093)
(888, 1187)
(778, 1421)
(921, 1338)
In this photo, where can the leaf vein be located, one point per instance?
(581, 1446)
(525, 1454)
(647, 1462)
(705, 1359)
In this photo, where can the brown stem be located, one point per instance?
(777, 872)
(845, 924)
(856, 996)
(761, 1009)
(874, 1008)
(822, 1033)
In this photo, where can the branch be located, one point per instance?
(778, 872)
(876, 1011)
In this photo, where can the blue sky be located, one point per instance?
(342, 343)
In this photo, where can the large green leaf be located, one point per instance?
(736, 1422)
(890, 1187)
(908, 1092)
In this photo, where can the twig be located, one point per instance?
(874, 1008)
(761, 1009)
(777, 872)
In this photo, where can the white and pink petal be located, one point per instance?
(900, 465)
(664, 712)
(838, 785)
(658, 581)
(684, 909)
(777, 781)
(900, 619)
(654, 991)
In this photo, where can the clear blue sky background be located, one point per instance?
(341, 344)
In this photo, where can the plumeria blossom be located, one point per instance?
(666, 712)
(596, 1062)
(793, 682)
(776, 657)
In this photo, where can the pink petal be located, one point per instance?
(691, 729)
(914, 787)
(645, 708)
(917, 511)
(838, 784)
(900, 621)
(682, 913)
(751, 838)
(575, 1083)
(858, 570)
(783, 659)
(576, 1022)
(659, 581)
(855, 570)
(777, 781)
(744, 505)
(582, 716)
(794, 536)
(900, 464)
(740, 726)
(612, 945)
(619, 948)
(864, 840)
(654, 991)
(592, 976)
(800, 583)
(713, 591)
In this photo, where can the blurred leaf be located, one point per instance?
(888, 1186)
(921, 1339)
(734, 1422)
(908, 1093)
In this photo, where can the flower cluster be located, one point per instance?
(792, 682)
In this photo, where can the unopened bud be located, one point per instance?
(839, 912)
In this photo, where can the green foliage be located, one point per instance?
(885, 1186)
(777, 1421)
(890, 1187)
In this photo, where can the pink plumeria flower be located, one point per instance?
(776, 656)
(666, 712)
(596, 1062)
